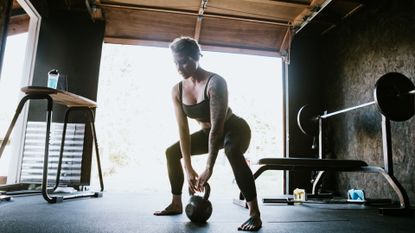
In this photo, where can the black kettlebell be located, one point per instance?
(199, 208)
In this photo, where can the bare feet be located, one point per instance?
(172, 209)
(252, 224)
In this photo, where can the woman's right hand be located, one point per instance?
(192, 177)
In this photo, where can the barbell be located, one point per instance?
(394, 96)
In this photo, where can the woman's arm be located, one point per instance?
(184, 136)
(218, 96)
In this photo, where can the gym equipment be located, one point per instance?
(394, 94)
(394, 98)
(199, 208)
(307, 120)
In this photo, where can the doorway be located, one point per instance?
(136, 122)
(9, 89)
(17, 71)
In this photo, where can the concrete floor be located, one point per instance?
(133, 212)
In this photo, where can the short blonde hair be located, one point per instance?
(187, 46)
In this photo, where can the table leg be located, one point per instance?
(46, 196)
(13, 123)
(94, 136)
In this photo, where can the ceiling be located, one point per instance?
(264, 27)
(19, 20)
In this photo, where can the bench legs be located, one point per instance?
(405, 207)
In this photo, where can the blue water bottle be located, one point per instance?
(53, 77)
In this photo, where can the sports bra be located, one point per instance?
(199, 111)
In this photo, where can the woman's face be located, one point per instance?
(186, 65)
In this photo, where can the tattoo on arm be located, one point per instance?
(218, 107)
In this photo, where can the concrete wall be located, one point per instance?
(372, 43)
(380, 38)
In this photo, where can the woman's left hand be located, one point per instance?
(203, 178)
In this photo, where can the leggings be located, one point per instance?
(237, 136)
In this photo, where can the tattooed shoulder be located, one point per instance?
(217, 85)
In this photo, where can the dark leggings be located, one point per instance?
(237, 136)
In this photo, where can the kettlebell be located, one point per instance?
(199, 208)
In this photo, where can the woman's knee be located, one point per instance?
(233, 153)
(172, 154)
(168, 152)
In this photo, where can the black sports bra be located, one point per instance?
(199, 111)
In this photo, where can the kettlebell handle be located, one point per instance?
(207, 191)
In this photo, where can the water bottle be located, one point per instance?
(53, 77)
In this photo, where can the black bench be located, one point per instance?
(323, 165)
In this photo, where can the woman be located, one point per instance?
(203, 95)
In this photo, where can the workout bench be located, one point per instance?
(394, 97)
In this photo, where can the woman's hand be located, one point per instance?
(192, 179)
(203, 178)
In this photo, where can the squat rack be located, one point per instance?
(394, 97)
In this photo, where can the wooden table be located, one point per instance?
(61, 97)
(72, 102)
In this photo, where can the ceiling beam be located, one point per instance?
(94, 10)
(198, 28)
(313, 12)
(286, 3)
(192, 13)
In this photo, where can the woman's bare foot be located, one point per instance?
(174, 208)
(170, 210)
(254, 222)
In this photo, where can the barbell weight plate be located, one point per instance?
(307, 120)
(392, 96)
